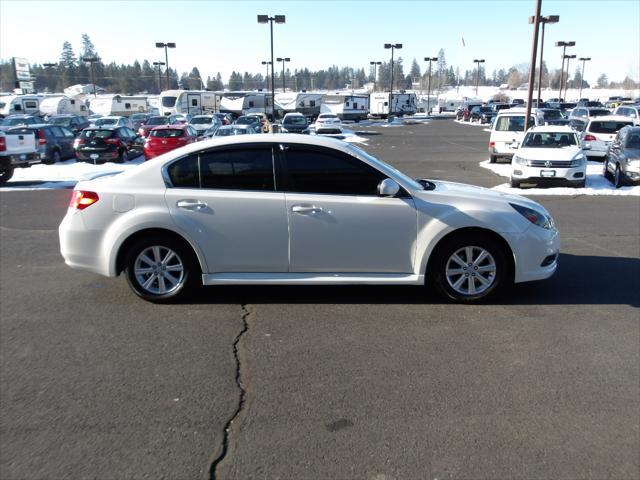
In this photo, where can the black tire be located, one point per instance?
(123, 157)
(443, 253)
(5, 175)
(605, 169)
(56, 156)
(515, 183)
(618, 180)
(187, 282)
(493, 159)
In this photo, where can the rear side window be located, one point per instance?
(607, 127)
(512, 123)
(166, 133)
(242, 169)
(184, 173)
(315, 171)
(57, 132)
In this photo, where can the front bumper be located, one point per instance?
(535, 247)
(523, 172)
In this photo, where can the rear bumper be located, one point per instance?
(79, 246)
(96, 156)
(19, 160)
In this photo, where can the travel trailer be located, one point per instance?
(404, 103)
(120, 105)
(306, 103)
(243, 102)
(194, 102)
(55, 105)
(347, 106)
(20, 104)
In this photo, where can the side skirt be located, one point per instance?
(312, 279)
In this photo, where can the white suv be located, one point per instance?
(549, 153)
(297, 209)
(600, 133)
(508, 129)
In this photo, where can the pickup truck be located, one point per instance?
(17, 150)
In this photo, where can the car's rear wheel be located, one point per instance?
(515, 183)
(493, 158)
(617, 177)
(123, 157)
(161, 269)
(469, 268)
(5, 175)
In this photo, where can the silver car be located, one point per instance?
(622, 163)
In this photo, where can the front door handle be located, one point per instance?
(189, 204)
(304, 209)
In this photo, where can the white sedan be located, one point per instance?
(291, 209)
(328, 123)
(550, 153)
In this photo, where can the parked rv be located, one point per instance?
(243, 102)
(347, 106)
(56, 105)
(404, 103)
(306, 103)
(194, 102)
(19, 104)
(118, 105)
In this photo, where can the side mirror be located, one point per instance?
(388, 188)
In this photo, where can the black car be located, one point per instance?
(75, 123)
(104, 144)
(54, 143)
(250, 120)
(482, 114)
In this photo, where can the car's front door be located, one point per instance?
(337, 221)
(225, 199)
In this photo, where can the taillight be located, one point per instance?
(3, 144)
(42, 139)
(589, 138)
(492, 144)
(82, 199)
(112, 141)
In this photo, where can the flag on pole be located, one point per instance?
(463, 44)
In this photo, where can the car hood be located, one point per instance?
(563, 153)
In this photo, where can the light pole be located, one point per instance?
(566, 80)
(159, 64)
(270, 20)
(544, 21)
(392, 46)
(429, 59)
(91, 61)
(166, 56)
(564, 46)
(583, 60)
(266, 79)
(374, 73)
(478, 62)
(281, 59)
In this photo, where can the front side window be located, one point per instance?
(318, 171)
(242, 169)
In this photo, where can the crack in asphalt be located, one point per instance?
(242, 398)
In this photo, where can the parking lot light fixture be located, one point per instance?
(544, 20)
(566, 81)
(283, 59)
(159, 64)
(429, 59)
(391, 46)
(374, 63)
(270, 20)
(91, 61)
(583, 60)
(166, 56)
(564, 46)
(478, 62)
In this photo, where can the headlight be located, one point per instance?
(537, 218)
(520, 160)
(578, 161)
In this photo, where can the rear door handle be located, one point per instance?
(304, 209)
(189, 204)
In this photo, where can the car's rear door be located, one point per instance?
(337, 222)
(225, 199)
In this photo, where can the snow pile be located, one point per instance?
(596, 183)
(475, 124)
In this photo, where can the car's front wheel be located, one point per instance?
(161, 269)
(5, 175)
(469, 268)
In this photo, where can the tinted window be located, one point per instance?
(247, 169)
(184, 172)
(97, 134)
(607, 127)
(512, 123)
(67, 133)
(633, 140)
(56, 131)
(166, 133)
(314, 171)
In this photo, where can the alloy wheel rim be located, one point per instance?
(471, 270)
(159, 270)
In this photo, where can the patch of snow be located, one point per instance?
(473, 124)
(596, 183)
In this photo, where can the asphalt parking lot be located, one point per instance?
(326, 382)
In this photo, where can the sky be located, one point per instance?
(224, 36)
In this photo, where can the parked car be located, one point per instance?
(165, 138)
(17, 150)
(549, 153)
(508, 130)
(588, 112)
(517, 102)
(92, 118)
(553, 116)
(75, 123)
(202, 123)
(212, 213)
(631, 111)
(600, 132)
(225, 118)
(138, 119)
(482, 114)
(54, 143)
(18, 120)
(153, 122)
(254, 122)
(590, 103)
(294, 123)
(104, 144)
(328, 123)
(578, 124)
(497, 106)
(622, 162)
(464, 113)
(114, 121)
(229, 130)
(264, 121)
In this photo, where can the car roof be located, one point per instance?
(173, 126)
(609, 118)
(106, 127)
(552, 129)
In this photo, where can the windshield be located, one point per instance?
(295, 121)
(247, 120)
(549, 140)
(158, 121)
(553, 115)
(200, 121)
(65, 121)
(166, 133)
(106, 121)
(599, 113)
(169, 102)
(225, 132)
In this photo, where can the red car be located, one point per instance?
(165, 138)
